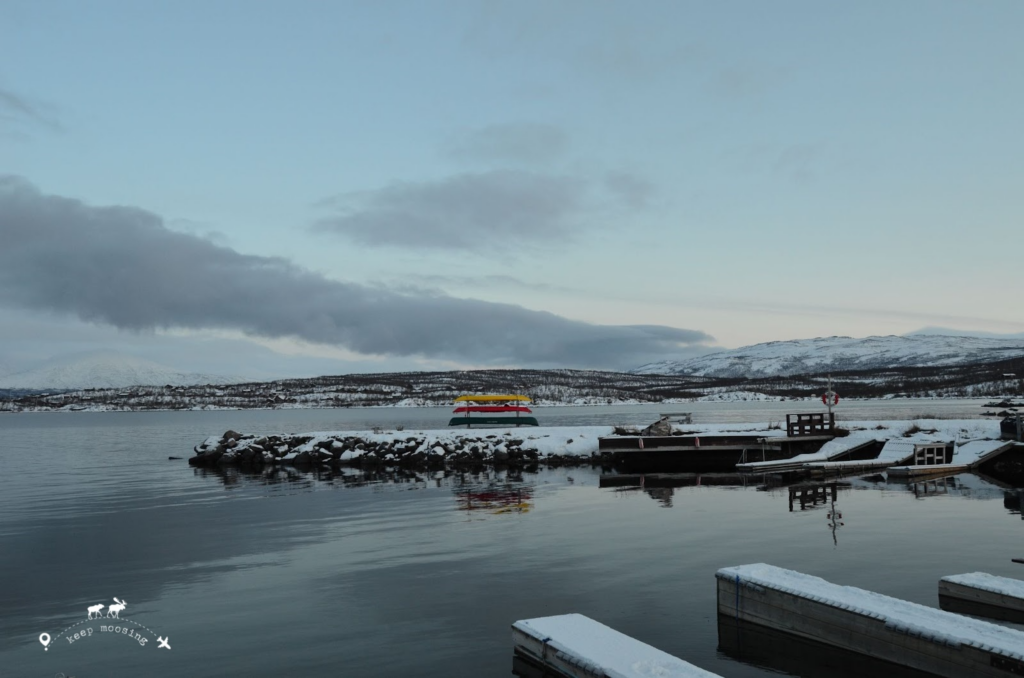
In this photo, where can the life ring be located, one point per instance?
(825, 398)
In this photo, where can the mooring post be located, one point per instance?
(1020, 427)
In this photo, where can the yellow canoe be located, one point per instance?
(491, 398)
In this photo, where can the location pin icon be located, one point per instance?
(44, 638)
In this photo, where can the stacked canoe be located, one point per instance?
(492, 410)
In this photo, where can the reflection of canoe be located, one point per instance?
(492, 408)
(493, 421)
(491, 399)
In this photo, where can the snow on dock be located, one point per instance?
(868, 623)
(984, 595)
(837, 447)
(579, 646)
(895, 452)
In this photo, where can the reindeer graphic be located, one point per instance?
(115, 610)
(94, 610)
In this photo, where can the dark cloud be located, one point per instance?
(121, 266)
(14, 108)
(526, 143)
(474, 211)
(633, 191)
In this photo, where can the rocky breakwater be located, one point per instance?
(553, 446)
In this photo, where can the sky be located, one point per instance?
(294, 188)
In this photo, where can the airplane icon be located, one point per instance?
(163, 642)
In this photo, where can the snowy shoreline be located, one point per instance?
(548, 445)
(730, 397)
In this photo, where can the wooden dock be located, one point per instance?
(983, 595)
(709, 452)
(576, 646)
(889, 629)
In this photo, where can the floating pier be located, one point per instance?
(575, 646)
(851, 619)
(983, 595)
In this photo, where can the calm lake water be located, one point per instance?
(302, 574)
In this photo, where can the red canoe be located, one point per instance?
(492, 408)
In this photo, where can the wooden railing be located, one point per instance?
(817, 424)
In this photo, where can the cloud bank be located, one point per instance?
(121, 266)
(472, 211)
(17, 108)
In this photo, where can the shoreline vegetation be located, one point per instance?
(545, 388)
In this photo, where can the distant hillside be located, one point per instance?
(545, 387)
(104, 370)
(842, 354)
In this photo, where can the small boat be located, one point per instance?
(492, 415)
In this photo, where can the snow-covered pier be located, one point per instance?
(690, 447)
(868, 623)
(983, 595)
(575, 645)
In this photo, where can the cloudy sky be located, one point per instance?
(275, 188)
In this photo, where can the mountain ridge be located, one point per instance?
(104, 369)
(841, 354)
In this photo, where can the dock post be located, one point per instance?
(1020, 427)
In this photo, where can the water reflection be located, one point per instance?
(496, 498)
(776, 651)
(490, 490)
(813, 496)
(661, 487)
(524, 667)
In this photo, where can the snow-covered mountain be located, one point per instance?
(104, 370)
(836, 354)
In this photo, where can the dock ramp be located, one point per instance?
(894, 453)
(577, 646)
(898, 631)
(836, 448)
